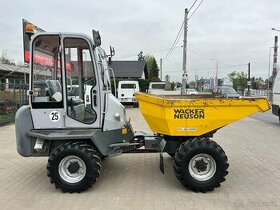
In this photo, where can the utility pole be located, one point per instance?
(268, 76)
(160, 68)
(216, 75)
(274, 71)
(185, 75)
(248, 80)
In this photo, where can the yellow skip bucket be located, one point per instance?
(195, 115)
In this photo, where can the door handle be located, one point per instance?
(94, 98)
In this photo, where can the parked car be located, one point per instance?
(227, 91)
(191, 92)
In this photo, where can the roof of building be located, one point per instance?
(11, 71)
(128, 69)
(122, 69)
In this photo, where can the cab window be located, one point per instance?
(46, 72)
(80, 80)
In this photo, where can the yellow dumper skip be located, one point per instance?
(195, 116)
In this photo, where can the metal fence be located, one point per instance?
(12, 96)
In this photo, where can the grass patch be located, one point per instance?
(7, 118)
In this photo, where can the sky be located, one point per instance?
(232, 32)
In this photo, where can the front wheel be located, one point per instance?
(74, 167)
(200, 164)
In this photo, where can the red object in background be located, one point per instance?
(26, 39)
(26, 56)
(43, 60)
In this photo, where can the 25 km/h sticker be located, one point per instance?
(54, 116)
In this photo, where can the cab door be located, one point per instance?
(46, 86)
(82, 93)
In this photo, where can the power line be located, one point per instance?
(210, 67)
(174, 42)
(199, 54)
(192, 5)
(196, 9)
(173, 46)
(229, 66)
(153, 51)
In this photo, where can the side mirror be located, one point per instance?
(96, 38)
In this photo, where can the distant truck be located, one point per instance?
(126, 92)
(276, 96)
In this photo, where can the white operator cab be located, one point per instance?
(126, 92)
(70, 84)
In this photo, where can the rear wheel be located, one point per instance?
(200, 164)
(74, 167)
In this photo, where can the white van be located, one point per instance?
(126, 92)
(156, 88)
(276, 96)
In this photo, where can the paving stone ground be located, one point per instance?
(134, 181)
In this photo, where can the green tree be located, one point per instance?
(152, 67)
(257, 83)
(239, 79)
(5, 60)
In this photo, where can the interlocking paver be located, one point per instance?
(133, 181)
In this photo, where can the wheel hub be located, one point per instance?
(73, 167)
(200, 165)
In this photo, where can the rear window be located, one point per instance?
(128, 86)
(158, 86)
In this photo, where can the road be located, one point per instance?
(267, 117)
(133, 181)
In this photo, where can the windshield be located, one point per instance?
(46, 67)
(128, 86)
(158, 86)
(228, 90)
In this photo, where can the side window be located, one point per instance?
(80, 79)
(102, 62)
(46, 67)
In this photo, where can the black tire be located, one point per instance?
(86, 168)
(189, 154)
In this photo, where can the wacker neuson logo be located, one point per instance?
(189, 114)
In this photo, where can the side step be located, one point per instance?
(124, 144)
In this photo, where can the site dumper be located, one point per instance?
(77, 128)
(187, 123)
